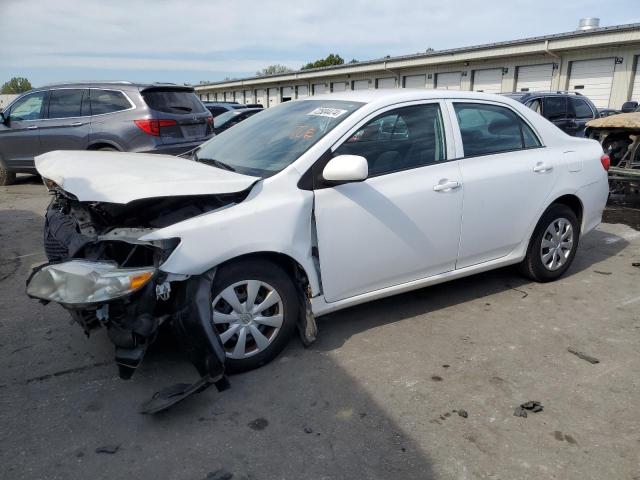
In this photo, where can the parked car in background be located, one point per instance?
(569, 111)
(607, 112)
(297, 213)
(120, 116)
(231, 118)
(218, 108)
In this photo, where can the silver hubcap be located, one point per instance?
(557, 244)
(248, 316)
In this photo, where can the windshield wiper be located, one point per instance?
(215, 163)
(180, 107)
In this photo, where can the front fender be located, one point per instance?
(269, 220)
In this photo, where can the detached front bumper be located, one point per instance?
(88, 277)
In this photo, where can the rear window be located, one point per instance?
(173, 101)
(108, 101)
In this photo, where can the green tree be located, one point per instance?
(16, 85)
(332, 59)
(274, 70)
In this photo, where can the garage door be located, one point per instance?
(287, 94)
(338, 87)
(273, 96)
(261, 96)
(248, 96)
(593, 78)
(303, 91)
(534, 78)
(389, 82)
(635, 95)
(448, 81)
(319, 88)
(487, 81)
(238, 96)
(361, 84)
(415, 81)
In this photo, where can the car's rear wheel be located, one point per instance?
(255, 310)
(553, 244)
(6, 177)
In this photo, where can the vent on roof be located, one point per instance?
(588, 23)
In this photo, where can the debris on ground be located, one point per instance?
(583, 356)
(308, 430)
(531, 406)
(110, 449)
(220, 474)
(463, 413)
(602, 273)
(635, 264)
(258, 424)
(436, 378)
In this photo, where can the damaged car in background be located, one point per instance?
(620, 139)
(310, 207)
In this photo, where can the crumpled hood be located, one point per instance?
(115, 177)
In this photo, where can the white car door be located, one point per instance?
(403, 222)
(508, 176)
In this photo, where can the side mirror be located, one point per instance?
(346, 168)
(4, 119)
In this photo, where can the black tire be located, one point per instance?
(269, 273)
(533, 266)
(6, 177)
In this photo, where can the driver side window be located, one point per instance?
(400, 139)
(28, 107)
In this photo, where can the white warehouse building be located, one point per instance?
(599, 62)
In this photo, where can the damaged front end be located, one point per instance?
(107, 277)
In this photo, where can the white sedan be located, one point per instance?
(310, 207)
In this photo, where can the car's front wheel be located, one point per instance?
(254, 311)
(553, 244)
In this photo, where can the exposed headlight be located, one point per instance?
(80, 282)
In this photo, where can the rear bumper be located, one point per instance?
(174, 148)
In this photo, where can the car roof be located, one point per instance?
(404, 95)
(120, 84)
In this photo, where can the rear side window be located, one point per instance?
(173, 101)
(555, 107)
(579, 108)
(488, 129)
(108, 101)
(215, 111)
(65, 103)
(400, 139)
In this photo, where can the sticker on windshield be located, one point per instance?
(328, 112)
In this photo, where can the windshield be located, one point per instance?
(267, 143)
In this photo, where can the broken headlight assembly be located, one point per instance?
(81, 282)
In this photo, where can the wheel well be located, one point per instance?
(288, 264)
(98, 146)
(573, 203)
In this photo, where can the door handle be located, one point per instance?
(32, 127)
(446, 186)
(542, 168)
(77, 124)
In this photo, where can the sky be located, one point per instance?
(190, 41)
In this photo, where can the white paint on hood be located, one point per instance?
(117, 177)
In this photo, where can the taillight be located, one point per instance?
(152, 127)
(606, 161)
(210, 120)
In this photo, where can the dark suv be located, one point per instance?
(569, 111)
(152, 118)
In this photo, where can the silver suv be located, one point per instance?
(152, 118)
